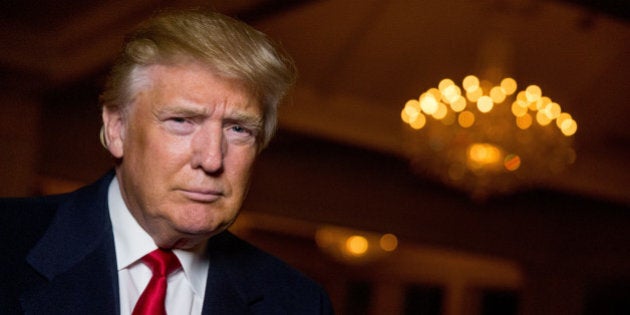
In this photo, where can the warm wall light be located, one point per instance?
(353, 246)
(357, 245)
(388, 242)
(487, 138)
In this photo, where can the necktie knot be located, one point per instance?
(162, 263)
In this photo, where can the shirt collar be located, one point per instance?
(132, 242)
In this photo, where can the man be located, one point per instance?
(189, 104)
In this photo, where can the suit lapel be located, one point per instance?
(231, 287)
(76, 258)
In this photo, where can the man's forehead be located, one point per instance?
(158, 71)
(193, 84)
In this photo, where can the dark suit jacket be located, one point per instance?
(57, 257)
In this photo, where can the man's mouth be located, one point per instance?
(200, 195)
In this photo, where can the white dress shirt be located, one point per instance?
(186, 286)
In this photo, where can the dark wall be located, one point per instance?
(573, 249)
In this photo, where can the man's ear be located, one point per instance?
(114, 130)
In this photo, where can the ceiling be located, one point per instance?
(359, 61)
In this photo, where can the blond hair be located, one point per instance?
(232, 49)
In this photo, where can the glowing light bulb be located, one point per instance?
(410, 111)
(436, 93)
(428, 103)
(474, 95)
(444, 84)
(518, 110)
(485, 104)
(542, 103)
(451, 93)
(512, 162)
(552, 110)
(357, 245)
(497, 94)
(418, 122)
(508, 85)
(569, 127)
(459, 104)
(561, 118)
(533, 93)
(388, 242)
(404, 116)
(470, 83)
(483, 153)
(466, 119)
(542, 118)
(441, 111)
(524, 122)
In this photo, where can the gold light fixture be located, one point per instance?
(488, 139)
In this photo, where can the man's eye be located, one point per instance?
(239, 129)
(240, 134)
(178, 119)
(179, 125)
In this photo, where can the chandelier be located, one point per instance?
(487, 139)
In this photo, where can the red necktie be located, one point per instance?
(162, 263)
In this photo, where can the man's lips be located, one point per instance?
(201, 195)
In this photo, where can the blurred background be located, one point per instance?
(390, 208)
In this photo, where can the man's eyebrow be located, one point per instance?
(245, 118)
(181, 111)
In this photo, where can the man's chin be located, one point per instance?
(191, 237)
(187, 244)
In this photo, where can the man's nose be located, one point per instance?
(209, 149)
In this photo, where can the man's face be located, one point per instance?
(186, 147)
